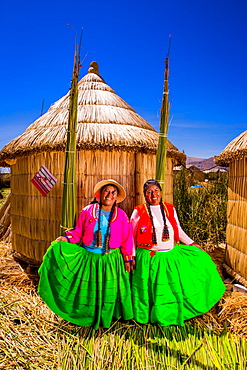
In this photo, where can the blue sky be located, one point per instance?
(129, 40)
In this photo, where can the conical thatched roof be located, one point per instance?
(105, 121)
(237, 148)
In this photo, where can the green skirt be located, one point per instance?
(85, 288)
(174, 286)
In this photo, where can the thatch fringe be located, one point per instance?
(89, 136)
(226, 157)
(8, 155)
(236, 149)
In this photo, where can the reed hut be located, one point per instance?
(113, 141)
(235, 155)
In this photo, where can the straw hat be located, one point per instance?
(121, 192)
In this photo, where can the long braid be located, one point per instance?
(98, 232)
(107, 238)
(154, 237)
(165, 233)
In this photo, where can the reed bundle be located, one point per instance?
(32, 337)
(68, 215)
(164, 121)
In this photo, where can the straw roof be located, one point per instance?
(236, 149)
(105, 121)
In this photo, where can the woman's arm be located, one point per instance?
(75, 235)
(126, 243)
(134, 219)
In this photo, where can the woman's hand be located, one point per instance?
(130, 266)
(127, 266)
(62, 238)
(133, 263)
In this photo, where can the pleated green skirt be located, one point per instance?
(174, 286)
(85, 288)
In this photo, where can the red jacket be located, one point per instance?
(144, 230)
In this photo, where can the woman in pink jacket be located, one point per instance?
(84, 277)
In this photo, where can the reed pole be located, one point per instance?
(69, 185)
(164, 122)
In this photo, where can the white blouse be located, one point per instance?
(158, 224)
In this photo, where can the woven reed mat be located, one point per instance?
(230, 312)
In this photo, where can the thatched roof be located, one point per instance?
(105, 121)
(236, 149)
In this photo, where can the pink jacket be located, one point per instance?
(120, 229)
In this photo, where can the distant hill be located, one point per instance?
(202, 163)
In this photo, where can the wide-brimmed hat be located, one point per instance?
(121, 192)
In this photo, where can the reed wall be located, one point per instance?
(236, 233)
(35, 219)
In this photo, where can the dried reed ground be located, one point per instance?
(30, 334)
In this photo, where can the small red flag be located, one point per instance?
(44, 181)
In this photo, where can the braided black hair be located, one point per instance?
(94, 201)
(165, 233)
(154, 237)
(107, 238)
(150, 182)
(98, 232)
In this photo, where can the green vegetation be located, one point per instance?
(4, 192)
(202, 211)
(4, 186)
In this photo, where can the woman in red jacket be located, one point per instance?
(173, 281)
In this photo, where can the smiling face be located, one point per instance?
(108, 196)
(153, 195)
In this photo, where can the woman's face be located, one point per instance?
(108, 197)
(153, 195)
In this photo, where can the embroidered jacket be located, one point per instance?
(120, 229)
(144, 229)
